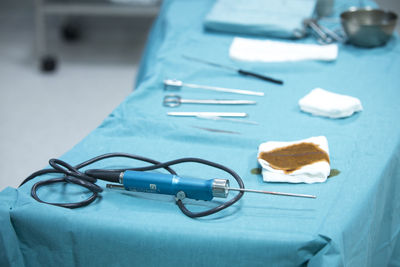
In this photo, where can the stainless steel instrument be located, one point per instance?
(228, 119)
(208, 114)
(323, 34)
(172, 84)
(175, 101)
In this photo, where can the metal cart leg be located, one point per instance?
(48, 63)
(71, 32)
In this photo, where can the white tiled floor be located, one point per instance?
(44, 115)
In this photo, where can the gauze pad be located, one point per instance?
(245, 49)
(320, 102)
(303, 161)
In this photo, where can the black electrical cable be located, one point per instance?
(72, 174)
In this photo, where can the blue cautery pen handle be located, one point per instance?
(181, 187)
(168, 184)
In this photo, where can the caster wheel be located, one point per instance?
(48, 64)
(71, 33)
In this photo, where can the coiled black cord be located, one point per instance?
(72, 174)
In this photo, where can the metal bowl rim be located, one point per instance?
(353, 10)
(368, 9)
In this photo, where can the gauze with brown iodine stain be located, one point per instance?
(302, 161)
(293, 157)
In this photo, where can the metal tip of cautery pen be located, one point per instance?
(272, 193)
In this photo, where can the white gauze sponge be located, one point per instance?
(303, 161)
(320, 102)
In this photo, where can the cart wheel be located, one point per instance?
(48, 64)
(71, 32)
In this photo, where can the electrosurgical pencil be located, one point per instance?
(238, 70)
(181, 187)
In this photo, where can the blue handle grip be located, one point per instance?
(168, 184)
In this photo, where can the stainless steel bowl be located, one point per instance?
(368, 27)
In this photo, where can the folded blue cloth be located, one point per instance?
(259, 17)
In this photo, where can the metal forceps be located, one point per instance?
(175, 101)
(324, 35)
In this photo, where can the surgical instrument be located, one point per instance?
(176, 84)
(210, 114)
(175, 101)
(238, 70)
(137, 179)
(214, 130)
(216, 118)
(324, 35)
(181, 187)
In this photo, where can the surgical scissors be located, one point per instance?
(175, 101)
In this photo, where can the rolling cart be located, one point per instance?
(71, 32)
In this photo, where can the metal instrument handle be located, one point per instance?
(315, 27)
(222, 89)
(324, 34)
(172, 84)
(217, 101)
(175, 101)
(172, 101)
(208, 114)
